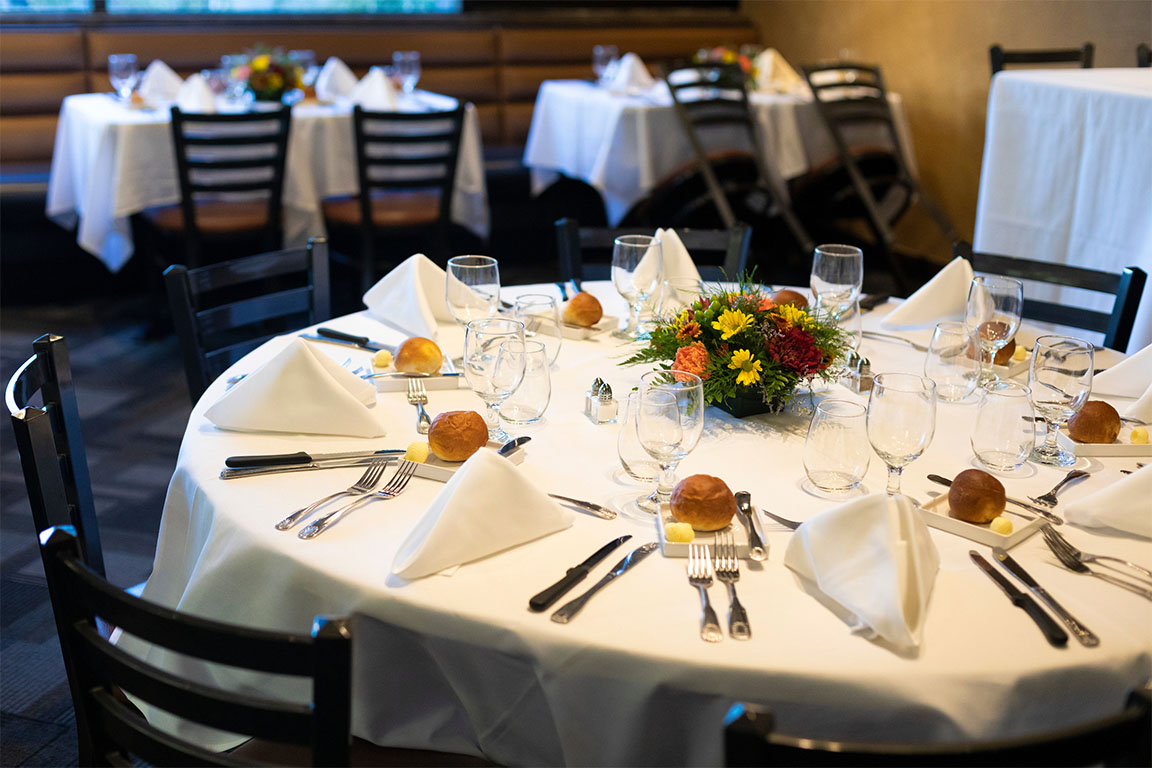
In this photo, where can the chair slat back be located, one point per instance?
(1084, 55)
(1143, 55)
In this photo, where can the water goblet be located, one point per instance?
(602, 58)
(407, 68)
(540, 314)
(668, 424)
(472, 288)
(837, 274)
(1060, 377)
(678, 294)
(494, 361)
(526, 405)
(993, 317)
(836, 451)
(901, 421)
(123, 74)
(637, 269)
(948, 363)
(1004, 432)
(635, 460)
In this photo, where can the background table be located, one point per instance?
(625, 144)
(111, 162)
(1067, 176)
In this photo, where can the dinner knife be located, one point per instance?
(233, 473)
(1083, 634)
(872, 300)
(1055, 519)
(564, 613)
(587, 506)
(1056, 636)
(573, 576)
(744, 512)
(300, 457)
(333, 336)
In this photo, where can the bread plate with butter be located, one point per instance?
(442, 471)
(708, 538)
(1121, 446)
(937, 514)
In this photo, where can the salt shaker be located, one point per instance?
(602, 407)
(592, 397)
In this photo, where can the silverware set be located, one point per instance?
(364, 490)
(361, 487)
(1075, 560)
(725, 566)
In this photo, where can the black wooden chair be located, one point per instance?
(711, 102)
(1082, 56)
(407, 174)
(224, 311)
(1123, 739)
(853, 96)
(1127, 287)
(1143, 55)
(585, 253)
(231, 173)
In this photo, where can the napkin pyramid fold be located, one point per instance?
(375, 92)
(159, 84)
(775, 75)
(488, 506)
(300, 390)
(195, 95)
(678, 262)
(1122, 505)
(411, 297)
(874, 558)
(628, 73)
(943, 297)
(335, 80)
(1131, 377)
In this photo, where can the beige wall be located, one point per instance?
(935, 53)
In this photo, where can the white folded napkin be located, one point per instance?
(1123, 505)
(195, 95)
(159, 84)
(335, 80)
(650, 269)
(628, 73)
(943, 297)
(375, 92)
(775, 75)
(411, 297)
(488, 506)
(677, 261)
(300, 390)
(875, 558)
(1131, 377)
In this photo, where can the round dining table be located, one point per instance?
(456, 661)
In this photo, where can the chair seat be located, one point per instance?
(216, 217)
(390, 210)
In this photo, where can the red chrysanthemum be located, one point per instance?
(796, 350)
(692, 359)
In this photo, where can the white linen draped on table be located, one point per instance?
(1067, 177)
(110, 162)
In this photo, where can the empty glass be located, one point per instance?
(837, 274)
(948, 363)
(306, 60)
(406, 65)
(528, 403)
(602, 58)
(836, 451)
(677, 294)
(668, 423)
(472, 287)
(1060, 376)
(993, 317)
(123, 74)
(637, 270)
(635, 460)
(494, 362)
(1004, 432)
(901, 421)
(540, 314)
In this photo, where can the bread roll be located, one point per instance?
(584, 309)
(704, 502)
(787, 296)
(456, 435)
(976, 497)
(419, 355)
(1097, 422)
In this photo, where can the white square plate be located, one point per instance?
(1122, 446)
(680, 549)
(442, 471)
(938, 517)
(400, 383)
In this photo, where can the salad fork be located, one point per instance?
(1049, 499)
(418, 396)
(700, 576)
(1055, 539)
(391, 490)
(1070, 562)
(361, 487)
(728, 572)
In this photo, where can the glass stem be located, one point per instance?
(634, 316)
(986, 358)
(666, 481)
(893, 480)
(492, 415)
(1053, 429)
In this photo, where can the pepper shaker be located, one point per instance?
(603, 407)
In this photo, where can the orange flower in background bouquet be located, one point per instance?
(269, 74)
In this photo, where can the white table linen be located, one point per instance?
(111, 161)
(1067, 177)
(625, 144)
(460, 663)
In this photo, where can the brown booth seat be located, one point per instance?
(213, 217)
(389, 209)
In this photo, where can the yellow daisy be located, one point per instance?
(794, 316)
(731, 322)
(749, 368)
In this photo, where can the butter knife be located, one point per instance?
(1055, 519)
(566, 612)
(744, 512)
(588, 506)
(1083, 634)
(573, 576)
(1056, 636)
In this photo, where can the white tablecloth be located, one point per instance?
(625, 144)
(1067, 176)
(459, 662)
(110, 162)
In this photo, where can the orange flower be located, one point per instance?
(765, 304)
(692, 359)
(689, 330)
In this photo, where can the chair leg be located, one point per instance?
(367, 262)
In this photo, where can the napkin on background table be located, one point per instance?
(300, 390)
(875, 558)
(488, 506)
(943, 297)
(159, 84)
(375, 92)
(775, 75)
(629, 72)
(335, 80)
(677, 261)
(411, 297)
(195, 95)
(1132, 377)
(1122, 505)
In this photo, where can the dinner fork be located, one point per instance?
(1056, 539)
(877, 336)
(1049, 499)
(391, 490)
(1073, 564)
(700, 576)
(728, 572)
(418, 396)
(363, 486)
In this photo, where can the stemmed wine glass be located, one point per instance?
(1060, 377)
(494, 360)
(602, 58)
(472, 288)
(837, 274)
(901, 421)
(406, 65)
(668, 423)
(637, 268)
(993, 317)
(123, 74)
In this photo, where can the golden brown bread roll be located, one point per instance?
(990, 330)
(456, 435)
(584, 309)
(1097, 422)
(419, 355)
(976, 497)
(787, 296)
(704, 502)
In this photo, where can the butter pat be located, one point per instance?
(417, 452)
(1019, 353)
(383, 359)
(679, 532)
(1139, 436)
(1001, 525)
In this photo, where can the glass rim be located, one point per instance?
(529, 345)
(675, 384)
(534, 298)
(926, 384)
(1089, 346)
(637, 240)
(838, 249)
(954, 325)
(858, 408)
(482, 323)
(1002, 279)
(477, 261)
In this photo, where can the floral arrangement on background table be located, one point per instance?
(751, 353)
(723, 54)
(269, 74)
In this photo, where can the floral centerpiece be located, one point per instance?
(722, 54)
(269, 74)
(750, 352)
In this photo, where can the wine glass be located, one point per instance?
(494, 360)
(637, 267)
(668, 424)
(406, 65)
(993, 317)
(901, 421)
(837, 274)
(472, 288)
(948, 363)
(540, 314)
(602, 58)
(1060, 377)
(123, 74)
